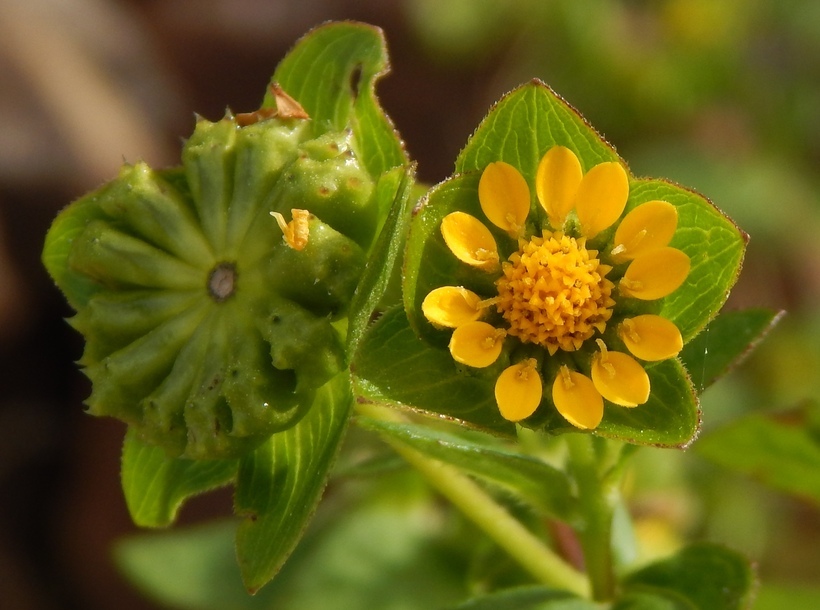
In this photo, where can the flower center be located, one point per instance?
(553, 292)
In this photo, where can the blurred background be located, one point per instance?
(722, 96)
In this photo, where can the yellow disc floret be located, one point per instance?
(553, 292)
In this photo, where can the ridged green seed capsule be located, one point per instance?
(207, 329)
(331, 186)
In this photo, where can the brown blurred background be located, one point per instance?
(722, 94)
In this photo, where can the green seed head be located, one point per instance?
(207, 327)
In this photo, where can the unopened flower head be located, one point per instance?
(573, 318)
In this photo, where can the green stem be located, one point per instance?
(597, 500)
(522, 545)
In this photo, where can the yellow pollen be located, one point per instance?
(482, 254)
(515, 228)
(489, 342)
(527, 368)
(631, 284)
(608, 367)
(566, 378)
(553, 292)
(629, 329)
(487, 302)
(618, 249)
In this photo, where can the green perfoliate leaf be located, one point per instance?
(724, 342)
(155, 485)
(528, 598)
(519, 130)
(780, 449)
(429, 264)
(332, 71)
(714, 244)
(707, 576)
(533, 480)
(523, 124)
(670, 418)
(280, 483)
(394, 367)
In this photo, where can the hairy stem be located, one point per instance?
(597, 499)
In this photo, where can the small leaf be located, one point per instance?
(527, 598)
(155, 485)
(371, 554)
(364, 550)
(393, 367)
(332, 72)
(189, 568)
(709, 576)
(780, 449)
(280, 483)
(724, 343)
(484, 457)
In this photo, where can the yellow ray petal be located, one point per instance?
(451, 306)
(650, 225)
(655, 274)
(518, 390)
(619, 378)
(556, 183)
(470, 241)
(476, 344)
(601, 197)
(577, 400)
(651, 337)
(504, 197)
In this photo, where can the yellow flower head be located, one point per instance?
(559, 307)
